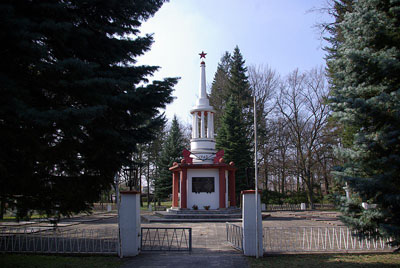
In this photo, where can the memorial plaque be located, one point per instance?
(202, 184)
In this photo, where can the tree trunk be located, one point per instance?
(309, 185)
(265, 174)
(2, 208)
(283, 181)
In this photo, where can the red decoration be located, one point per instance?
(186, 155)
(218, 156)
(202, 54)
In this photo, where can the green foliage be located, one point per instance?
(231, 97)
(271, 197)
(219, 88)
(45, 261)
(239, 87)
(232, 139)
(365, 95)
(73, 105)
(349, 260)
(298, 198)
(230, 80)
(172, 152)
(274, 197)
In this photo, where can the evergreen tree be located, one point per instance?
(219, 88)
(73, 104)
(172, 152)
(239, 86)
(232, 139)
(365, 95)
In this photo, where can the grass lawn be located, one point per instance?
(328, 260)
(47, 261)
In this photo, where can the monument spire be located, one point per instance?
(202, 142)
(203, 99)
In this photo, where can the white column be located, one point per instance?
(202, 125)
(212, 126)
(196, 126)
(209, 125)
(193, 124)
(129, 223)
(249, 224)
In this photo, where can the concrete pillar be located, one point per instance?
(175, 189)
(202, 126)
(129, 224)
(249, 224)
(222, 187)
(183, 188)
(231, 186)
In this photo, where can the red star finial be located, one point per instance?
(202, 54)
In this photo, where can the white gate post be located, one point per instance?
(249, 224)
(129, 223)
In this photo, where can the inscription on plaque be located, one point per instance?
(202, 185)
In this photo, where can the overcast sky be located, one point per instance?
(278, 33)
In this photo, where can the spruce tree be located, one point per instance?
(365, 95)
(232, 139)
(239, 86)
(220, 87)
(73, 103)
(171, 152)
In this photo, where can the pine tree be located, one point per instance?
(365, 95)
(172, 152)
(219, 88)
(232, 139)
(239, 86)
(73, 103)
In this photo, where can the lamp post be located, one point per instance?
(256, 175)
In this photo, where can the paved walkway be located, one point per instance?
(177, 260)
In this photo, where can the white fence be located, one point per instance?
(234, 235)
(319, 239)
(290, 207)
(166, 239)
(49, 240)
(104, 206)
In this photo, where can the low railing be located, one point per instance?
(278, 207)
(234, 235)
(50, 240)
(320, 239)
(289, 207)
(166, 239)
(104, 206)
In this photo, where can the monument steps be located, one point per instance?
(199, 214)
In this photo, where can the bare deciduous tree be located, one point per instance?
(302, 102)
